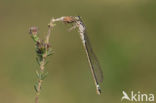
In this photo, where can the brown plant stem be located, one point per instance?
(45, 47)
(42, 64)
(36, 99)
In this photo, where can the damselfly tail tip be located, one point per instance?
(98, 90)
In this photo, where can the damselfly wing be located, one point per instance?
(92, 59)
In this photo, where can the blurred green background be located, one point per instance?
(123, 36)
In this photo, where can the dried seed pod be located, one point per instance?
(69, 19)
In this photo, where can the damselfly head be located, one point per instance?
(78, 18)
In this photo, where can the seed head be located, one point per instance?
(69, 19)
(33, 30)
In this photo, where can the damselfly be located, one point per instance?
(92, 59)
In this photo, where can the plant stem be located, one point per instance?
(42, 51)
(42, 63)
(39, 82)
(36, 99)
